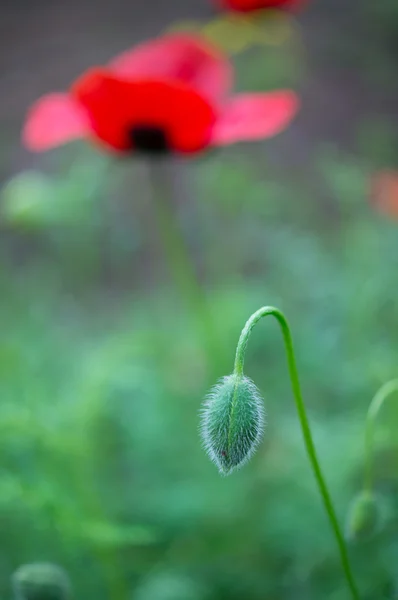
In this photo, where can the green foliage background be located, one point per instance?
(103, 369)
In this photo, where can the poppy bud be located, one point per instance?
(364, 516)
(232, 422)
(41, 581)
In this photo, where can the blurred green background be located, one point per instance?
(103, 366)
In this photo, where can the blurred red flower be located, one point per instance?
(168, 94)
(384, 192)
(251, 5)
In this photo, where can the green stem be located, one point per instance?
(374, 408)
(177, 252)
(305, 427)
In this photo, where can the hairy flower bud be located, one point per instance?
(41, 581)
(364, 516)
(232, 422)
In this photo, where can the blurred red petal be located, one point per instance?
(118, 106)
(384, 192)
(255, 116)
(250, 5)
(179, 57)
(53, 120)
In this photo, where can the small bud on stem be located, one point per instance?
(364, 517)
(374, 409)
(232, 423)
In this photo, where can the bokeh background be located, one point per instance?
(105, 359)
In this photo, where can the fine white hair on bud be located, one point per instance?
(232, 422)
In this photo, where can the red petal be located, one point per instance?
(384, 192)
(180, 57)
(52, 121)
(117, 106)
(255, 116)
(250, 5)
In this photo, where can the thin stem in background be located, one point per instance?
(180, 262)
(374, 408)
(305, 427)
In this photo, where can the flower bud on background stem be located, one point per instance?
(364, 517)
(232, 424)
(41, 581)
(374, 408)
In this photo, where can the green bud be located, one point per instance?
(364, 517)
(41, 581)
(232, 422)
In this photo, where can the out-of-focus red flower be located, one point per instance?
(384, 192)
(168, 94)
(251, 5)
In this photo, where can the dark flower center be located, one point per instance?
(146, 138)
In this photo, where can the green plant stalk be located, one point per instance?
(177, 252)
(305, 427)
(374, 408)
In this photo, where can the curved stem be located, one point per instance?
(305, 427)
(374, 408)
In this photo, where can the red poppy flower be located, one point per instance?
(251, 5)
(171, 93)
